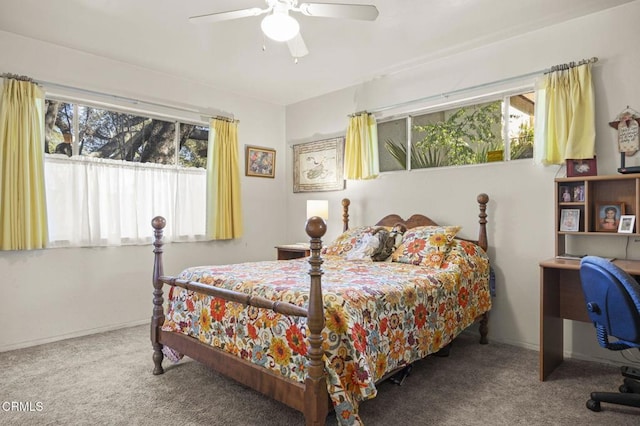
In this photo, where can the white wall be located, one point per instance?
(521, 209)
(55, 293)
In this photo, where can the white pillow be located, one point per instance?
(364, 248)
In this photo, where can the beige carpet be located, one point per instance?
(106, 379)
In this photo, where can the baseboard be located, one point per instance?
(567, 354)
(620, 355)
(473, 331)
(79, 333)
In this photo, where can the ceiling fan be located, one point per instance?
(278, 25)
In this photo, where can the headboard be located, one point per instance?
(421, 220)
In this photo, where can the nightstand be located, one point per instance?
(293, 251)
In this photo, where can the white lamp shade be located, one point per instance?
(279, 26)
(318, 208)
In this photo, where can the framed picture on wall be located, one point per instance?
(318, 166)
(608, 216)
(260, 162)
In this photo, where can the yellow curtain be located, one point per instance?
(570, 117)
(224, 207)
(23, 216)
(361, 148)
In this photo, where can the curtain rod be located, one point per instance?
(16, 77)
(223, 118)
(478, 86)
(114, 97)
(562, 67)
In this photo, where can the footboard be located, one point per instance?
(311, 397)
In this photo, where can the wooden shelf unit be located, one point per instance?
(598, 190)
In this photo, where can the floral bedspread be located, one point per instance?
(379, 316)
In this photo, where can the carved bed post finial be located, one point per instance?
(483, 199)
(157, 319)
(316, 406)
(345, 214)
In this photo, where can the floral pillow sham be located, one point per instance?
(425, 245)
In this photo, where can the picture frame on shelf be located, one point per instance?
(577, 194)
(608, 216)
(585, 167)
(564, 194)
(260, 162)
(626, 224)
(569, 220)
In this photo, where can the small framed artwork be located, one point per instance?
(260, 162)
(626, 224)
(565, 194)
(577, 193)
(608, 216)
(586, 167)
(569, 220)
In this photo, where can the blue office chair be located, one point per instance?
(613, 304)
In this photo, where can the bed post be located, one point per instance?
(157, 319)
(345, 214)
(483, 199)
(316, 396)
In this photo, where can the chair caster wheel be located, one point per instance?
(593, 405)
(625, 389)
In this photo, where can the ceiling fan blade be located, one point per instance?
(226, 16)
(297, 47)
(336, 10)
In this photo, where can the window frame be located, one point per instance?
(177, 121)
(504, 96)
(181, 171)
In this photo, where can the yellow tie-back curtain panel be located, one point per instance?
(23, 216)
(566, 129)
(224, 207)
(361, 148)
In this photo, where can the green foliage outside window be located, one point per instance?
(110, 134)
(465, 137)
(522, 145)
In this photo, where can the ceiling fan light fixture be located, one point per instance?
(279, 26)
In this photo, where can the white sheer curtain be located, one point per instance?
(100, 202)
(540, 129)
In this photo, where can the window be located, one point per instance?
(390, 136)
(465, 134)
(111, 172)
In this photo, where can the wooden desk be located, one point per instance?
(561, 297)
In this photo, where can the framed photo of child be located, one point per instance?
(608, 216)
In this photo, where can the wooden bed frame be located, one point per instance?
(310, 397)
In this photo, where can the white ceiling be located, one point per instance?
(156, 34)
